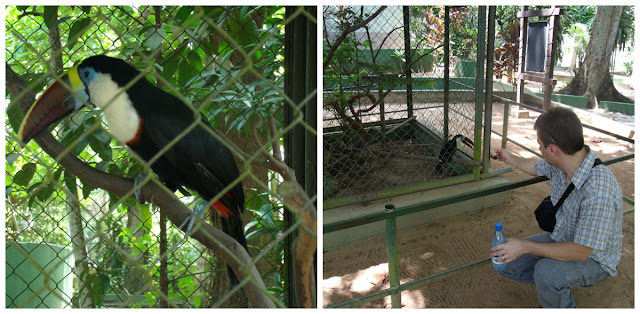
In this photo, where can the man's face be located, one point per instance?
(546, 152)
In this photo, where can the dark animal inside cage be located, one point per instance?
(449, 149)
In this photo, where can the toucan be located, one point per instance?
(449, 148)
(147, 119)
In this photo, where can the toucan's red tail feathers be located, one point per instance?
(224, 211)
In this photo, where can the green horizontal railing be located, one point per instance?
(397, 289)
(415, 208)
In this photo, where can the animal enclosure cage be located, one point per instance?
(232, 64)
(395, 91)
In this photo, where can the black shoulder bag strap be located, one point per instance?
(571, 186)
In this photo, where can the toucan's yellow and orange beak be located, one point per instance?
(59, 100)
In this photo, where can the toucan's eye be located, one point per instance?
(86, 73)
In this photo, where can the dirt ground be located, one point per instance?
(359, 268)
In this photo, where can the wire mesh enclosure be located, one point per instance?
(399, 97)
(76, 234)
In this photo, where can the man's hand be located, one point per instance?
(504, 155)
(563, 251)
(509, 251)
(528, 165)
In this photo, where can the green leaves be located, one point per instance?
(244, 30)
(266, 222)
(71, 183)
(43, 192)
(245, 33)
(11, 158)
(78, 28)
(24, 176)
(189, 68)
(100, 141)
(100, 284)
(183, 13)
(50, 16)
(172, 62)
(155, 37)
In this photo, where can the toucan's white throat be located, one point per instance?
(122, 117)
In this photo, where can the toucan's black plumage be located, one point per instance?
(449, 149)
(147, 119)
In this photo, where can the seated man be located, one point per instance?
(586, 243)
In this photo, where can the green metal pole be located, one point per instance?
(407, 58)
(537, 153)
(447, 52)
(488, 104)
(505, 124)
(477, 154)
(392, 256)
(300, 144)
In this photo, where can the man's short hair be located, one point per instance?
(560, 126)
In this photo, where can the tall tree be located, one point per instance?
(593, 79)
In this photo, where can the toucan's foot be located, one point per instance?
(190, 221)
(136, 185)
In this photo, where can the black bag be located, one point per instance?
(546, 211)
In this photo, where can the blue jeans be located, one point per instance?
(553, 278)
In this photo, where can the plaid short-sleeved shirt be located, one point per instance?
(592, 214)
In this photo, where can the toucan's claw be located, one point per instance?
(190, 221)
(136, 185)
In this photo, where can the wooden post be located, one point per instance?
(552, 37)
(521, 66)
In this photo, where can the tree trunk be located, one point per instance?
(574, 62)
(54, 41)
(135, 275)
(78, 242)
(593, 79)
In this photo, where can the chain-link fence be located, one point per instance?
(77, 237)
(391, 118)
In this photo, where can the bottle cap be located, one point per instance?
(498, 226)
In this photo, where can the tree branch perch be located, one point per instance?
(297, 201)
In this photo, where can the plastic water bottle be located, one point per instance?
(497, 239)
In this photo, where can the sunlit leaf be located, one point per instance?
(155, 37)
(11, 158)
(24, 176)
(50, 15)
(78, 28)
(70, 182)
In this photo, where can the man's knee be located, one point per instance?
(547, 273)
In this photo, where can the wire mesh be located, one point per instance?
(226, 62)
(385, 117)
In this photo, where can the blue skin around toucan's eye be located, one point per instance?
(86, 74)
